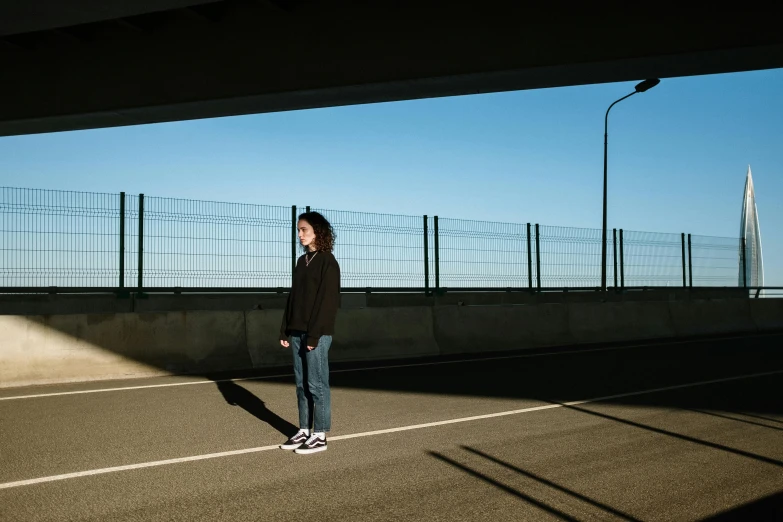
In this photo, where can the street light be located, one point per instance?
(640, 87)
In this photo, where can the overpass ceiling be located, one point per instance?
(24, 16)
(100, 63)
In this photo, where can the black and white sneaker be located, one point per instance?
(312, 445)
(295, 441)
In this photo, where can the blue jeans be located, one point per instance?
(311, 372)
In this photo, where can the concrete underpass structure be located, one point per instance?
(102, 63)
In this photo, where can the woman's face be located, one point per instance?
(306, 234)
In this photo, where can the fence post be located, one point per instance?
(538, 260)
(293, 243)
(622, 261)
(684, 279)
(437, 255)
(614, 257)
(744, 264)
(122, 239)
(529, 260)
(141, 242)
(426, 258)
(307, 209)
(690, 263)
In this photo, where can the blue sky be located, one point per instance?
(677, 157)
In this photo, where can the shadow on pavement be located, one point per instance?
(595, 374)
(499, 485)
(582, 375)
(729, 417)
(767, 509)
(236, 395)
(679, 436)
(761, 417)
(594, 503)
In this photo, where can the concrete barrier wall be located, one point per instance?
(82, 347)
(474, 329)
(767, 314)
(378, 333)
(606, 322)
(711, 317)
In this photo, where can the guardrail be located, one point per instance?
(753, 292)
(77, 240)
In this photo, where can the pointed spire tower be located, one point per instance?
(751, 269)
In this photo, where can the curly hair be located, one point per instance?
(324, 233)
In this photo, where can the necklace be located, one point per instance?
(308, 259)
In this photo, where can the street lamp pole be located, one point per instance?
(641, 87)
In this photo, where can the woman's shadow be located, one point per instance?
(238, 396)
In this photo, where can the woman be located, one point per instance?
(308, 326)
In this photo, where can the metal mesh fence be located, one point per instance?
(75, 239)
(377, 250)
(479, 254)
(715, 260)
(58, 238)
(656, 259)
(571, 257)
(191, 243)
(652, 259)
(131, 243)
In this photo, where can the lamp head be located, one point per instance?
(646, 85)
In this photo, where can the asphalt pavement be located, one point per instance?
(688, 430)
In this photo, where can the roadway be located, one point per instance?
(688, 430)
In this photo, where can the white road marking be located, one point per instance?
(386, 367)
(156, 463)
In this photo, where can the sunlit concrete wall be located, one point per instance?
(82, 347)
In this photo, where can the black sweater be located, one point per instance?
(314, 299)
